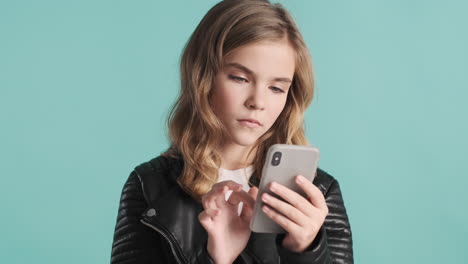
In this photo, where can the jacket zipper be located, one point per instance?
(174, 249)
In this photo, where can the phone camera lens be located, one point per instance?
(276, 158)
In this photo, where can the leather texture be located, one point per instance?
(157, 222)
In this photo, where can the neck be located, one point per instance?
(234, 156)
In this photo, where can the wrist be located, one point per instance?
(218, 256)
(223, 262)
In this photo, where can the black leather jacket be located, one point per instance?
(157, 222)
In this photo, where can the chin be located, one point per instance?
(245, 140)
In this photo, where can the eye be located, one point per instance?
(237, 78)
(277, 90)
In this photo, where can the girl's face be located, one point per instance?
(253, 85)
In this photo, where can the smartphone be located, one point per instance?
(282, 164)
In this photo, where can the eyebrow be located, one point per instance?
(249, 71)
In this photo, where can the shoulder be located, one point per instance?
(156, 176)
(331, 190)
(159, 164)
(324, 181)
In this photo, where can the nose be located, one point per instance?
(256, 99)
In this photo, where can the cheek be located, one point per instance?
(224, 100)
(277, 109)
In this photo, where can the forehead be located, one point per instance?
(265, 59)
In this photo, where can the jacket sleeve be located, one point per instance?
(333, 243)
(133, 242)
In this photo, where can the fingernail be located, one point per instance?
(265, 197)
(273, 186)
(299, 179)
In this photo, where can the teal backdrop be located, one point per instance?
(86, 86)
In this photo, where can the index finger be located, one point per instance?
(241, 196)
(217, 193)
(232, 185)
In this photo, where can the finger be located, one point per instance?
(213, 212)
(313, 192)
(246, 213)
(286, 209)
(226, 186)
(209, 200)
(281, 220)
(219, 197)
(206, 218)
(247, 209)
(296, 200)
(241, 196)
(253, 192)
(216, 197)
(232, 185)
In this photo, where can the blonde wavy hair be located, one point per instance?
(194, 129)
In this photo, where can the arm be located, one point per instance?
(333, 243)
(133, 242)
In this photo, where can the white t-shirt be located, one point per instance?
(240, 176)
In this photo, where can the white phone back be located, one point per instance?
(294, 160)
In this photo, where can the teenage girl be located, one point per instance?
(246, 80)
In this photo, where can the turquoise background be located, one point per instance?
(86, 85)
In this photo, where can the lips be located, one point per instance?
(250, 121)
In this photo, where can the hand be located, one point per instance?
(228, 232)
(300, 217)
